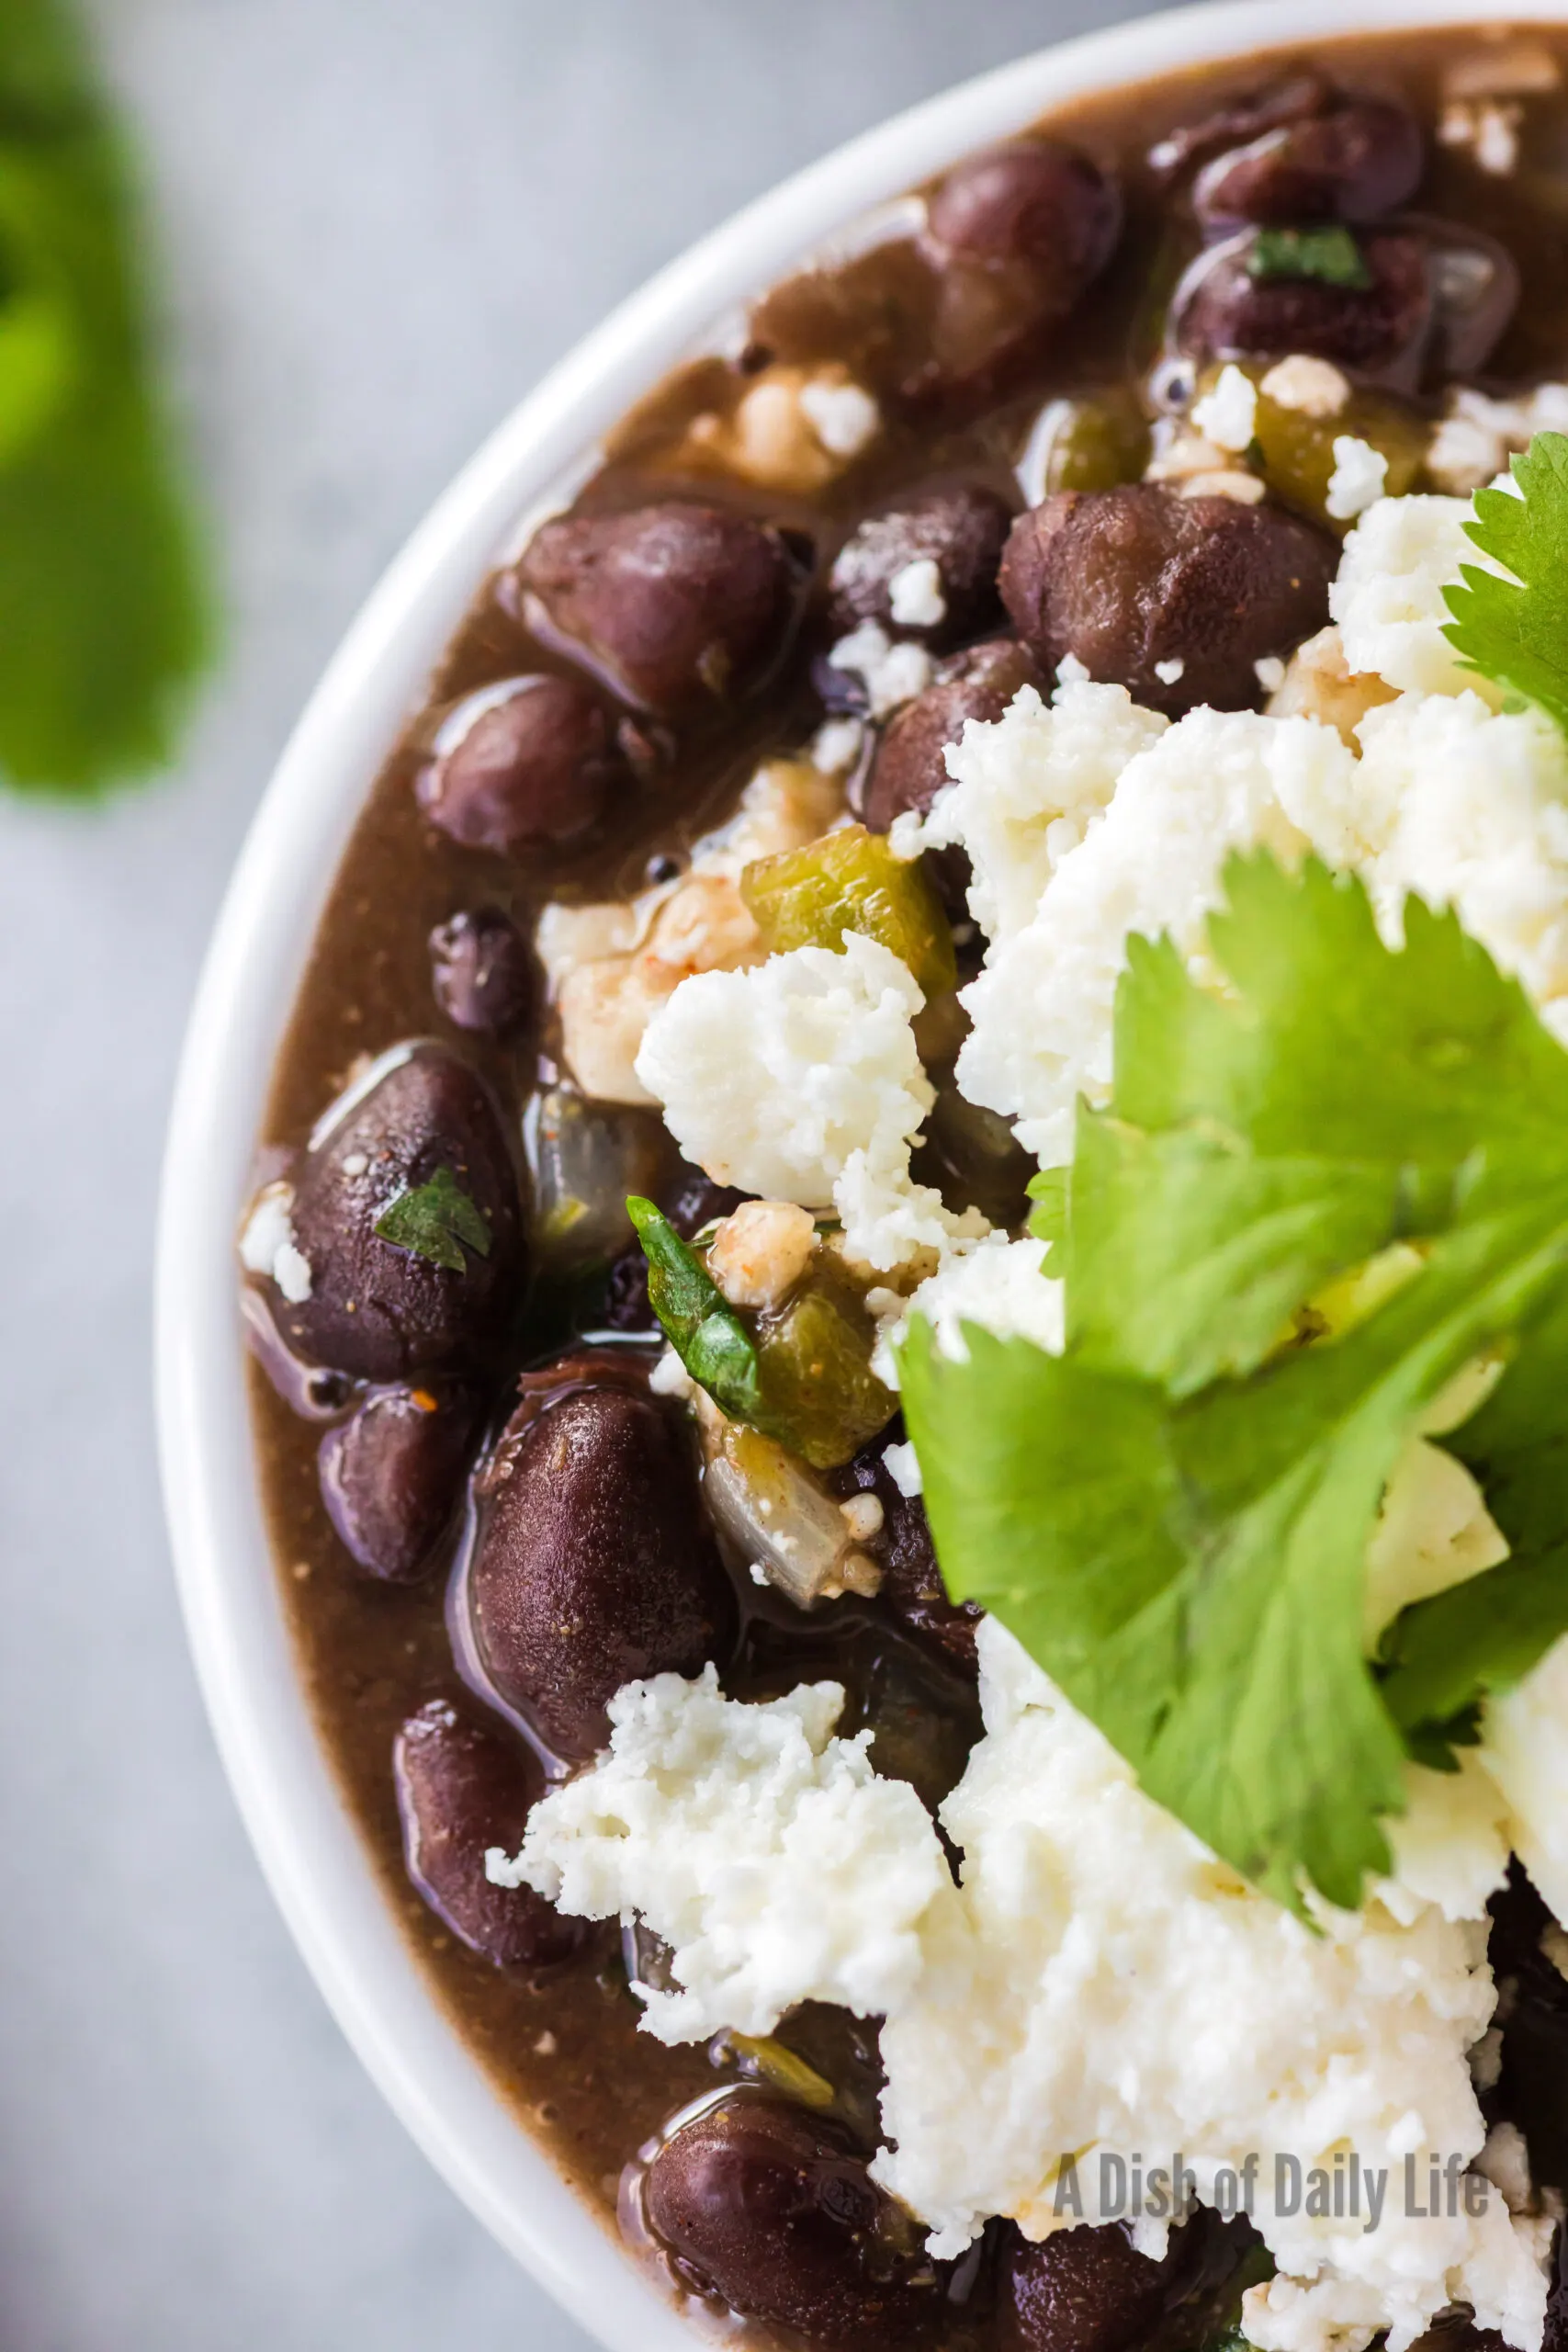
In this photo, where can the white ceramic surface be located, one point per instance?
(306, 1842)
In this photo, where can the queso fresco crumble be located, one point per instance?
(912, 1299)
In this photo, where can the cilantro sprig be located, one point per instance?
(1514, 630)
(1174, 1514)
(104, 615)
(436, 1220)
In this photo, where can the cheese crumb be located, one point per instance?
(1269, 673)
(891, 674)
(1488, 127)
(800, 1080)
(903, 1469)
(1312, 387)
(914, 595)
(1476, 439)
(1168, 672)
(836, 746)
(268, 1245)
(844, 416)
(995, 1283)
(1388, 595)
(1228, 415)
(767, 1853)
(1360, 473)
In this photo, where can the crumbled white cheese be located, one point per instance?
(792, 428)
(1488, 127)
(1357, 482)
(864, 1516)
(836, 746)
(1228, 415)
(759, 1252)
(1504, 2160)
(914, 595)
(994, 1282)
(1269, 673)
(1168, 672)
(611, 965)
(1094, 1985)
(767, 1853)
(903, 1469)
(1086, 1986)
(1241, 489)
(1027, 792)
(800, 1080)
(1312, 387)
(844, 416)
(891, 674)
(1152, 862)
(268, 1245)
(1388, 596)
(670, 1378)
(1478, 434)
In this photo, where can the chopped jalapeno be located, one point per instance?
(803, 1376)
(1092, 443)
(850, 881)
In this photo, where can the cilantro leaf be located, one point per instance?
(1515, 631)
(1174, 1515)
(103, 605)
(699, 1322)
(1330, 254)
(435, 1220)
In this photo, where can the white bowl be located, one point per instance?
(307, 1844)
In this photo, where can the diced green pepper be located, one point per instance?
(804, 1378)
(1294, 450)
(762, 2057)
(850, 881)
(821, 1397)
(1092, 443)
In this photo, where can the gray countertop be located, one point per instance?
(382, 219)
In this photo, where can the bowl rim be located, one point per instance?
(312, 1854)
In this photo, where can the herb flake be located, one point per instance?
(1330, 254)
(436, 1220)
(698, 1321)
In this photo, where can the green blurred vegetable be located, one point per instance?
(1330, 254)
(104, 605)
(1091, 443)
(850, 881)
(1293, 451)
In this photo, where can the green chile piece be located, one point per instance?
(850, 881)
(821, 1397)
(1094, 442)
(1295, 450)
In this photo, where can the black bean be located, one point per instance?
(773, 2210)
(961, 530)
(1127, 580)
(392, 1474)
(1016, 234)
(530, 763)
(594, 1565)
(479, 971)
(1379, 331)
(1296, 98)
(1035, 200)
(376, 1309)
(678, 605)
(1081, 2289)
(461, 1789)
(1352, 162)
(907, 769)
(1532, 2088)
